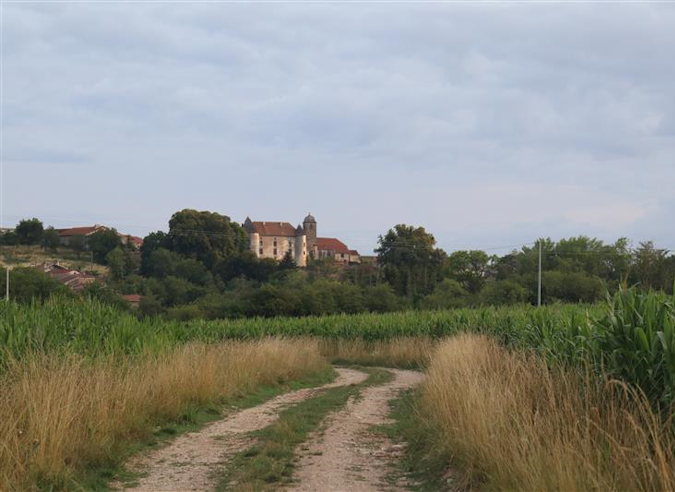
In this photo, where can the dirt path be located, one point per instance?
(189, 462)
(348, 456)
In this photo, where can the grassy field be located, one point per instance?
(564, 397)
(25, 256)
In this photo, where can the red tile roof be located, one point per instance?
(331, 244)
(79, 231)
(274, 229)
(353, 252)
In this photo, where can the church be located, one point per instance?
(276, 239)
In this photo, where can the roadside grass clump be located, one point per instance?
(61, 415)
(513, 422)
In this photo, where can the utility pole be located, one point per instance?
(539, 284)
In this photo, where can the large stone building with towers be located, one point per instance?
(276, 239)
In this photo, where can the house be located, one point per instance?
(66, 235)
(275, 239)
(73, 279)
(135, 241)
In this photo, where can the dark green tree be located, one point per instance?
(30, 231)
(28, 284)
(151, 243)
(287, 262)
(207, 237)
(50, 239)
(103, 242)
(411, 262)
(78, 244)
(470, 268)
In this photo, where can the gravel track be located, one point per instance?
(190, 462)
(348, 456)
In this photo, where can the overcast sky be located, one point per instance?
(488, 124)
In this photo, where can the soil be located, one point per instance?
(191, 461)
(348, 455)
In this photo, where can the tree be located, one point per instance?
(28, 284)
(287, 262)
(447, 294)
(117, 264)
(151, 243)
(50, 239)
(30, 231)
(412, 264)
(103, 242)
(207, 237)
(503, 292)
(469, 268)
(9, 238)
(650, 268)
(78, 244)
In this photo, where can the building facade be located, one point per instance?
(275, 239)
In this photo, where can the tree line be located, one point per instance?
(202, 267)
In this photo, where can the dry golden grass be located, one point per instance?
(510, 421)
(398, 352)
(61, 414)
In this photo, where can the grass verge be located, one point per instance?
(64, 417)
(194, 418)
(424, 464)
(270, 463)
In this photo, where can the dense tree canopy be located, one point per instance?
(30, 231)
(412, 264)
(207, 237)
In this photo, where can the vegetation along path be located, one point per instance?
(191, 461)
(348, 455)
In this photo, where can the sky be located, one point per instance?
(489, 124)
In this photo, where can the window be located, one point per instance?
(261, 243)
(275, 251)
(261, 251)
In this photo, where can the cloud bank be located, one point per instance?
(489, 124)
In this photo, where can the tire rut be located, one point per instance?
(348, 456)
(190, 462)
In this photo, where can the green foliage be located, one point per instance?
(50, 239)
(412, 264)
(447, 294)
(631, 337)
(469, 268)
(30, 284)
(503, 292)
(102, 242)
(30, 231)
(205, 236)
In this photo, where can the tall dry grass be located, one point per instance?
(396, 352)
(59, 415)
(514, 423)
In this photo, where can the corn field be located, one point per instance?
(629, 337)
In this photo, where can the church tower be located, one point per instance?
(309, 224)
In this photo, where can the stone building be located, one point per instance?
(275, 239)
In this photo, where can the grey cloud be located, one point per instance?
(426, 113)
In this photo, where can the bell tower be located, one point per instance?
(309, 224)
